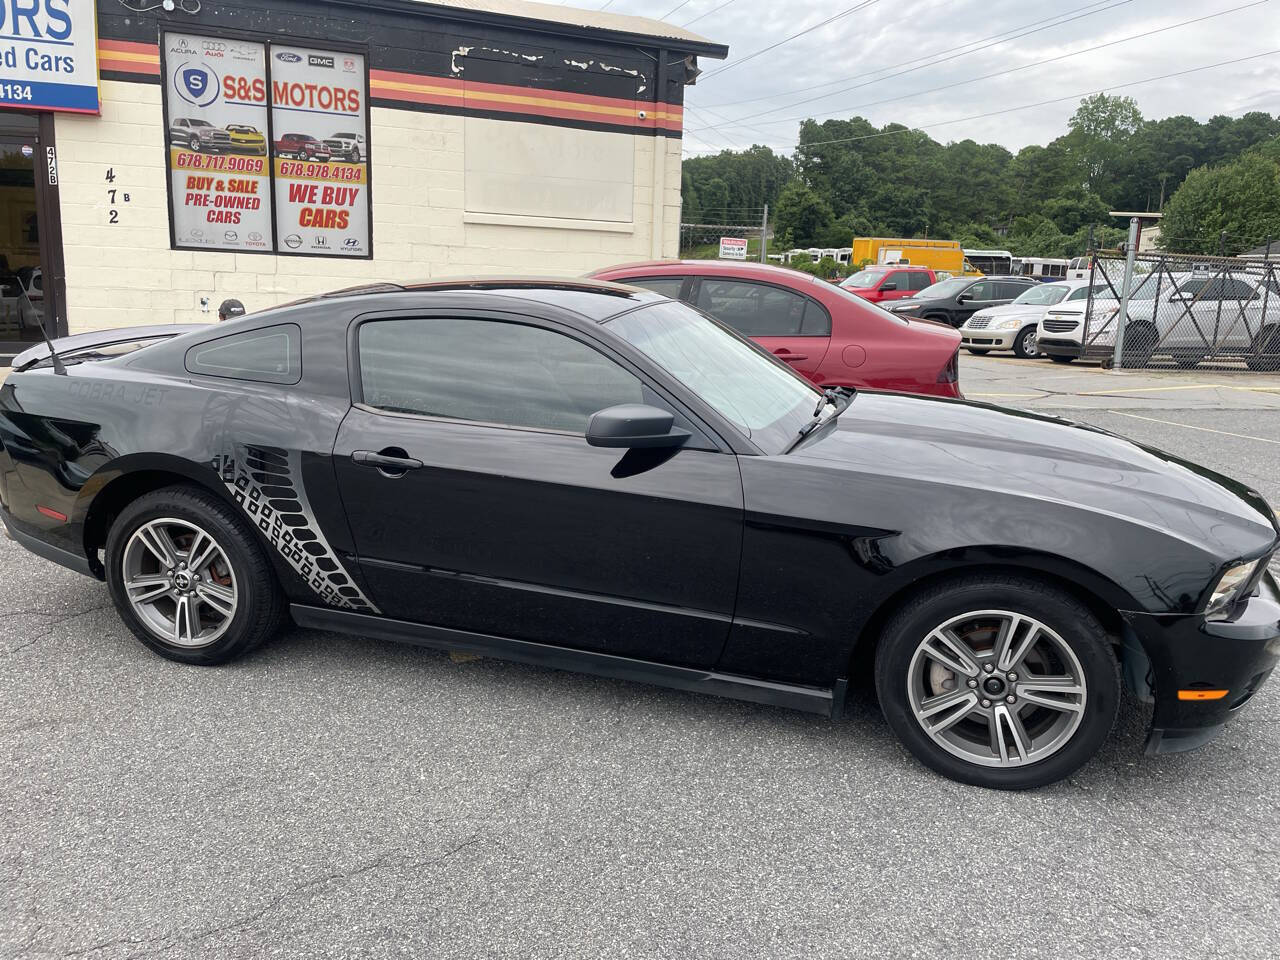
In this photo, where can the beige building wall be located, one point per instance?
(508, 207)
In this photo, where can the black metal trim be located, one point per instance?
(42, 548)
(819, 700)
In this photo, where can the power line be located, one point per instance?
(998, 73)
(1042, 103)
(1039, 24)
(707, 14)
(682, 3)
(773, 46)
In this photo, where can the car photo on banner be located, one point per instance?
(320, 152)
(215, 99)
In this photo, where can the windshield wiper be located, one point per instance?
(838, 398)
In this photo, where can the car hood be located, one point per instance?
(1010, 311)
(918, 443)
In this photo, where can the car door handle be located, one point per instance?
(790, 357)
(392, 461)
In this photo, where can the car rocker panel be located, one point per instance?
(996, 566)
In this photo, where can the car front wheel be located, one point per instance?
(1025, 345)
(189, 579)
(998, 681)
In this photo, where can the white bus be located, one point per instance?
(1043, 268)
(991, 263)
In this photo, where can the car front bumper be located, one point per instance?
(1183, 654)
(988, 339)
(1058, 348)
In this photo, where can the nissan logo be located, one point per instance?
(288, 58)
(293, 241)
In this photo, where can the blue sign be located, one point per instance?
(49, 55)
(197, 84)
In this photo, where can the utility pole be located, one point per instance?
(764, 235)
(1122, 318)
(1088, 244)
(1222, 244)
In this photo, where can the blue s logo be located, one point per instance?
(197, 84)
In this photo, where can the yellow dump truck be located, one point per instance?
(945, 255)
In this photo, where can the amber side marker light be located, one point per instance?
(52, 513)
(1202, 694)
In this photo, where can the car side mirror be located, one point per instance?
(634, 426)
(964, 298)
(886, 287)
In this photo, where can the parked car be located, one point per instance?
(199, 135)
(879, 284)
(1014, 326)
(595, 477)
(247, 139)
(829, 335)
(347, 146)
(955, 300)
(1186, 316)
(300, 146)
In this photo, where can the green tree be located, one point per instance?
(1241, 198)
(1100, 131)
(802, 215)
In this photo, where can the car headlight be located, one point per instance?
(1008, 324)
(1229, 586)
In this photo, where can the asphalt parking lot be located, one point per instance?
(335, 797)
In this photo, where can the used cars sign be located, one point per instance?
(49, 55)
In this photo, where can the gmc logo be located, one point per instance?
(314, 61)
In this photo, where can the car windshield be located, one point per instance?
(864, 278)
(1045, 295)
(201, 123)
(765, 400)
(1144, 289)
(944, 288)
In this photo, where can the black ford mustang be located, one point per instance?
(595, 477)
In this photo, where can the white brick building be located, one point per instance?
(502, 137)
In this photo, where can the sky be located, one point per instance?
(886, 37)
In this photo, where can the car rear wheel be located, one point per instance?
(977, 351)
(998, 681)
(1266, 351)
(1058, 359)
(1025, 345)
(187, 576)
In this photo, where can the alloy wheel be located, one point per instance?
(997, 688)
(179, 582)
(1029, 344)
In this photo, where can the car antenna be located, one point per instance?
(58, 367)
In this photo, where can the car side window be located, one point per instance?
(266, 355)
(489, 371)
(1010, 291)
(753, 309)
(899, 278)
(918, 280)
(667, 286)
(982, 290)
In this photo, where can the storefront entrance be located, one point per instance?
(30, 260)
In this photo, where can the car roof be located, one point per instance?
(597, 300)
(762, 271)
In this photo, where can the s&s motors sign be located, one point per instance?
(49, 55)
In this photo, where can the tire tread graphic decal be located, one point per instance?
(267, 484)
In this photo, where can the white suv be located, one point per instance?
(1187, 316)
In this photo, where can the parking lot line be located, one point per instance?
(1175, 423)
(1192, 386)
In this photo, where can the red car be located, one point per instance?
(877, 283)
(829, 335)
(300, 146)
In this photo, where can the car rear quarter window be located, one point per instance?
(1009, 290)
(758, 309)
(667, 286)
(267, 355)
(488, 371)
(918, 280)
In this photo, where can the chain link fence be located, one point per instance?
(1182, 311)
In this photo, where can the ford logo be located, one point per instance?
(288, 58)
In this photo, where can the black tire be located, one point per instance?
(1266, 351)
(260, 608)
(1140, 340)
(977, 351)
(1022, 348)
(195, 144)
(1062, 613)
(1188, 362)
(1059, 359)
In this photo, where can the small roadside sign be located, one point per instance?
(733, 248)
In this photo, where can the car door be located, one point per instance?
(899, 281)
(506, 522)
(979, 294)
(791, 326)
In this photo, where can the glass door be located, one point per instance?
(22, 274)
